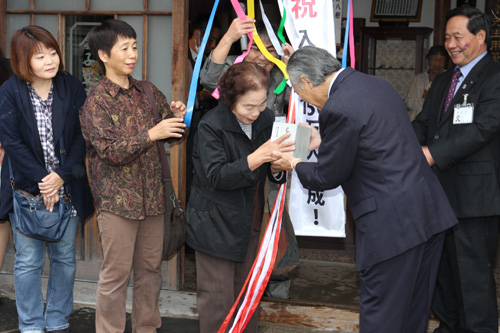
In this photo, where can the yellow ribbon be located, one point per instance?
(281, 65)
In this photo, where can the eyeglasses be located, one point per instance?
(269, 49)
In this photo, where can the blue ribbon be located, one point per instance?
(346, 37)
(197, 66)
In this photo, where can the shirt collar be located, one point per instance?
(333, 80)
(467, 68)
(114, 88)
(35, 94)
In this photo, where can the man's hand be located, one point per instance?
(287, 50)
(239, 28)
(283, 161)
(315, 140)
(428, 155)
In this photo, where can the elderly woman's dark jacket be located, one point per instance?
(20, 138)
(221, 205)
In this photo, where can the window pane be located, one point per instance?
(136, 23)
(113, 5)
(78, 60)
(160, 53)
(15, 22)
(18, 4)
(160, 5)
(49, 22)
(60, 4)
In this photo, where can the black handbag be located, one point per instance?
(174, 234)
(31, 217)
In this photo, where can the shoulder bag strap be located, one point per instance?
(165, 168)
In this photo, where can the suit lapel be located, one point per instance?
(466, 86)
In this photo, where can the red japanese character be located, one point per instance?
(306, 6)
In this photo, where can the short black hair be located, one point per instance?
(105, 36)
(477, 20)
(200, 22)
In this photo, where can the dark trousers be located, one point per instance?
(396, 294)
(465, 298)
(219, 283)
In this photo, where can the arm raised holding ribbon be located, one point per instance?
(237, 29)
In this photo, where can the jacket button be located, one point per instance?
(436, 137)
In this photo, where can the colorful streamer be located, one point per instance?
(197, 66)
(349, 38)
(258, 277)
(241, 14)
(270, 32)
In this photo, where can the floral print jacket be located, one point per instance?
(124, 164)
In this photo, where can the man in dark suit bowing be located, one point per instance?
(367, 146)
(458, 129)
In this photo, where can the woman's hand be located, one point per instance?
(264, 153)
(50, 202)
(167, 128)
(178, 109)
(49, 188)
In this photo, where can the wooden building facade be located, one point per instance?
(162, 28)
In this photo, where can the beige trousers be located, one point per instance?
(129, 245)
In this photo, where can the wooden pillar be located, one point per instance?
(441, 7)
(32, 16)
(180, 16)
(145, 41)
(3, 27)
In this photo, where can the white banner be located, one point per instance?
(313, 213)
(337, 12)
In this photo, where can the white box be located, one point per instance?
(300, 134)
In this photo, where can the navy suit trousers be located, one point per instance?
(396, 294)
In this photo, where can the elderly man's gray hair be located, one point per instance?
(314, 63)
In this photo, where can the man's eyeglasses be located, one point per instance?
(270, 49)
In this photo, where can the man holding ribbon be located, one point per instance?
(220, 60)
(458, 129)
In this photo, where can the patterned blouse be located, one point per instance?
(43, 116)
(124, 164)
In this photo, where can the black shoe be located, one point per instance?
(66, 330)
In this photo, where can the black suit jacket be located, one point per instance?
(466, 155)
(21, 140)
(368, 147)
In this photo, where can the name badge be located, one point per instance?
(463, 113)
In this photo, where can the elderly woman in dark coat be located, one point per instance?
(231, 160)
